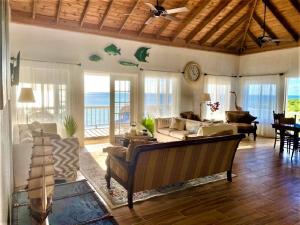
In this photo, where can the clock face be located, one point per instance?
(192, 71)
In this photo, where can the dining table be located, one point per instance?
(283, 128)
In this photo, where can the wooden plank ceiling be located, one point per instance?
(230, 26)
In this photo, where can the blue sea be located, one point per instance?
(97, 111)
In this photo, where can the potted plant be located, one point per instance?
(148, 123)
(70, 126)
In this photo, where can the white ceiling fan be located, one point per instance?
(159, 11)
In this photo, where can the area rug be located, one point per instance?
(91, 166)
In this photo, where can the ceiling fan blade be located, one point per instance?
(281, 40)
(172, 18)
(177, 10)
(149, 20)
(152, 7)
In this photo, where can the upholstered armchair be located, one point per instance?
(244, 122)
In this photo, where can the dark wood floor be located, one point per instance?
(265, 191)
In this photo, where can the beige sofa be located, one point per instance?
(164, 132)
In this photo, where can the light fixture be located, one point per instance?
(26, 96)
(204, 97)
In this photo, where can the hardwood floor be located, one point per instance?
(265, 191)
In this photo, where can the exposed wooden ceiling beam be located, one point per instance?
(281, 19)
(201, 5)
(86, 6)
(251, 9)
(296, 4)
(167, 22)
(232, 42)
(34, 2)
(47, 21)
(132, 10)
(253, 37)
(210, 16)
(261, 24)
(105, 14)
(223, 21)
(144, 24)
(230, 29)
(58, 10)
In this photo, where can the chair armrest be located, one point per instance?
(255, 122)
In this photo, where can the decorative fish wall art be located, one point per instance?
(141, 54)
(95, 58)
(112, 50)
(127, 63)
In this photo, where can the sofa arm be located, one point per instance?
(117, 168)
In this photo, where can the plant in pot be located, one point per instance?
(70, 126)
(148, 123)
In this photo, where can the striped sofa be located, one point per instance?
(155, 165)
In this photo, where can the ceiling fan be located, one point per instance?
(264, 39)
(159, 11)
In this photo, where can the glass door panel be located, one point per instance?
(121, 106)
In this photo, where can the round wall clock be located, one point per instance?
(192, 71)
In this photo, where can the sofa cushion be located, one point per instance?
(177, 124)
(118, 151)
(165, 131)
(163, 123)
(180, 134)
(215, 129)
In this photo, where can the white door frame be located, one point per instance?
(114, 78)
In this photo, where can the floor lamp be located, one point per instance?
(204, 97)
(26, 96)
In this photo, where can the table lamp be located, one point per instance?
(26, 96)
(204, 97)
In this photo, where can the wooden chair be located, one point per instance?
(277, 117)
(288, 136)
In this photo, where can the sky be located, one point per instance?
(96, 83)
(294, 86)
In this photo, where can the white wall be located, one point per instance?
(285, 61)
(65, 46)
(271, 62)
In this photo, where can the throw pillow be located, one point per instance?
(35, 126)
(249, 118)
(163, 123)
(26, 136)
(177, 124)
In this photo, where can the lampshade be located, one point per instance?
(26, 95)
(204, 97)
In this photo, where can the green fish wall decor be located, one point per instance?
(112, 50)
(141, 54)
(95, 58)
(127, 63)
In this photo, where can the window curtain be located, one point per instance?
(219, 89)
(161, 94)
(260, 96)
(51, 87)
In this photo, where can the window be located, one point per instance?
(161, 94)
(219, 89)
(50, 87)
(292, 106)
(260, 98)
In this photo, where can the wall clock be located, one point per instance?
(192, 71)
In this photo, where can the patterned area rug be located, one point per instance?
(93, 168)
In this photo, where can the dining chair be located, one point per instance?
(277, 117)
(288, 135)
